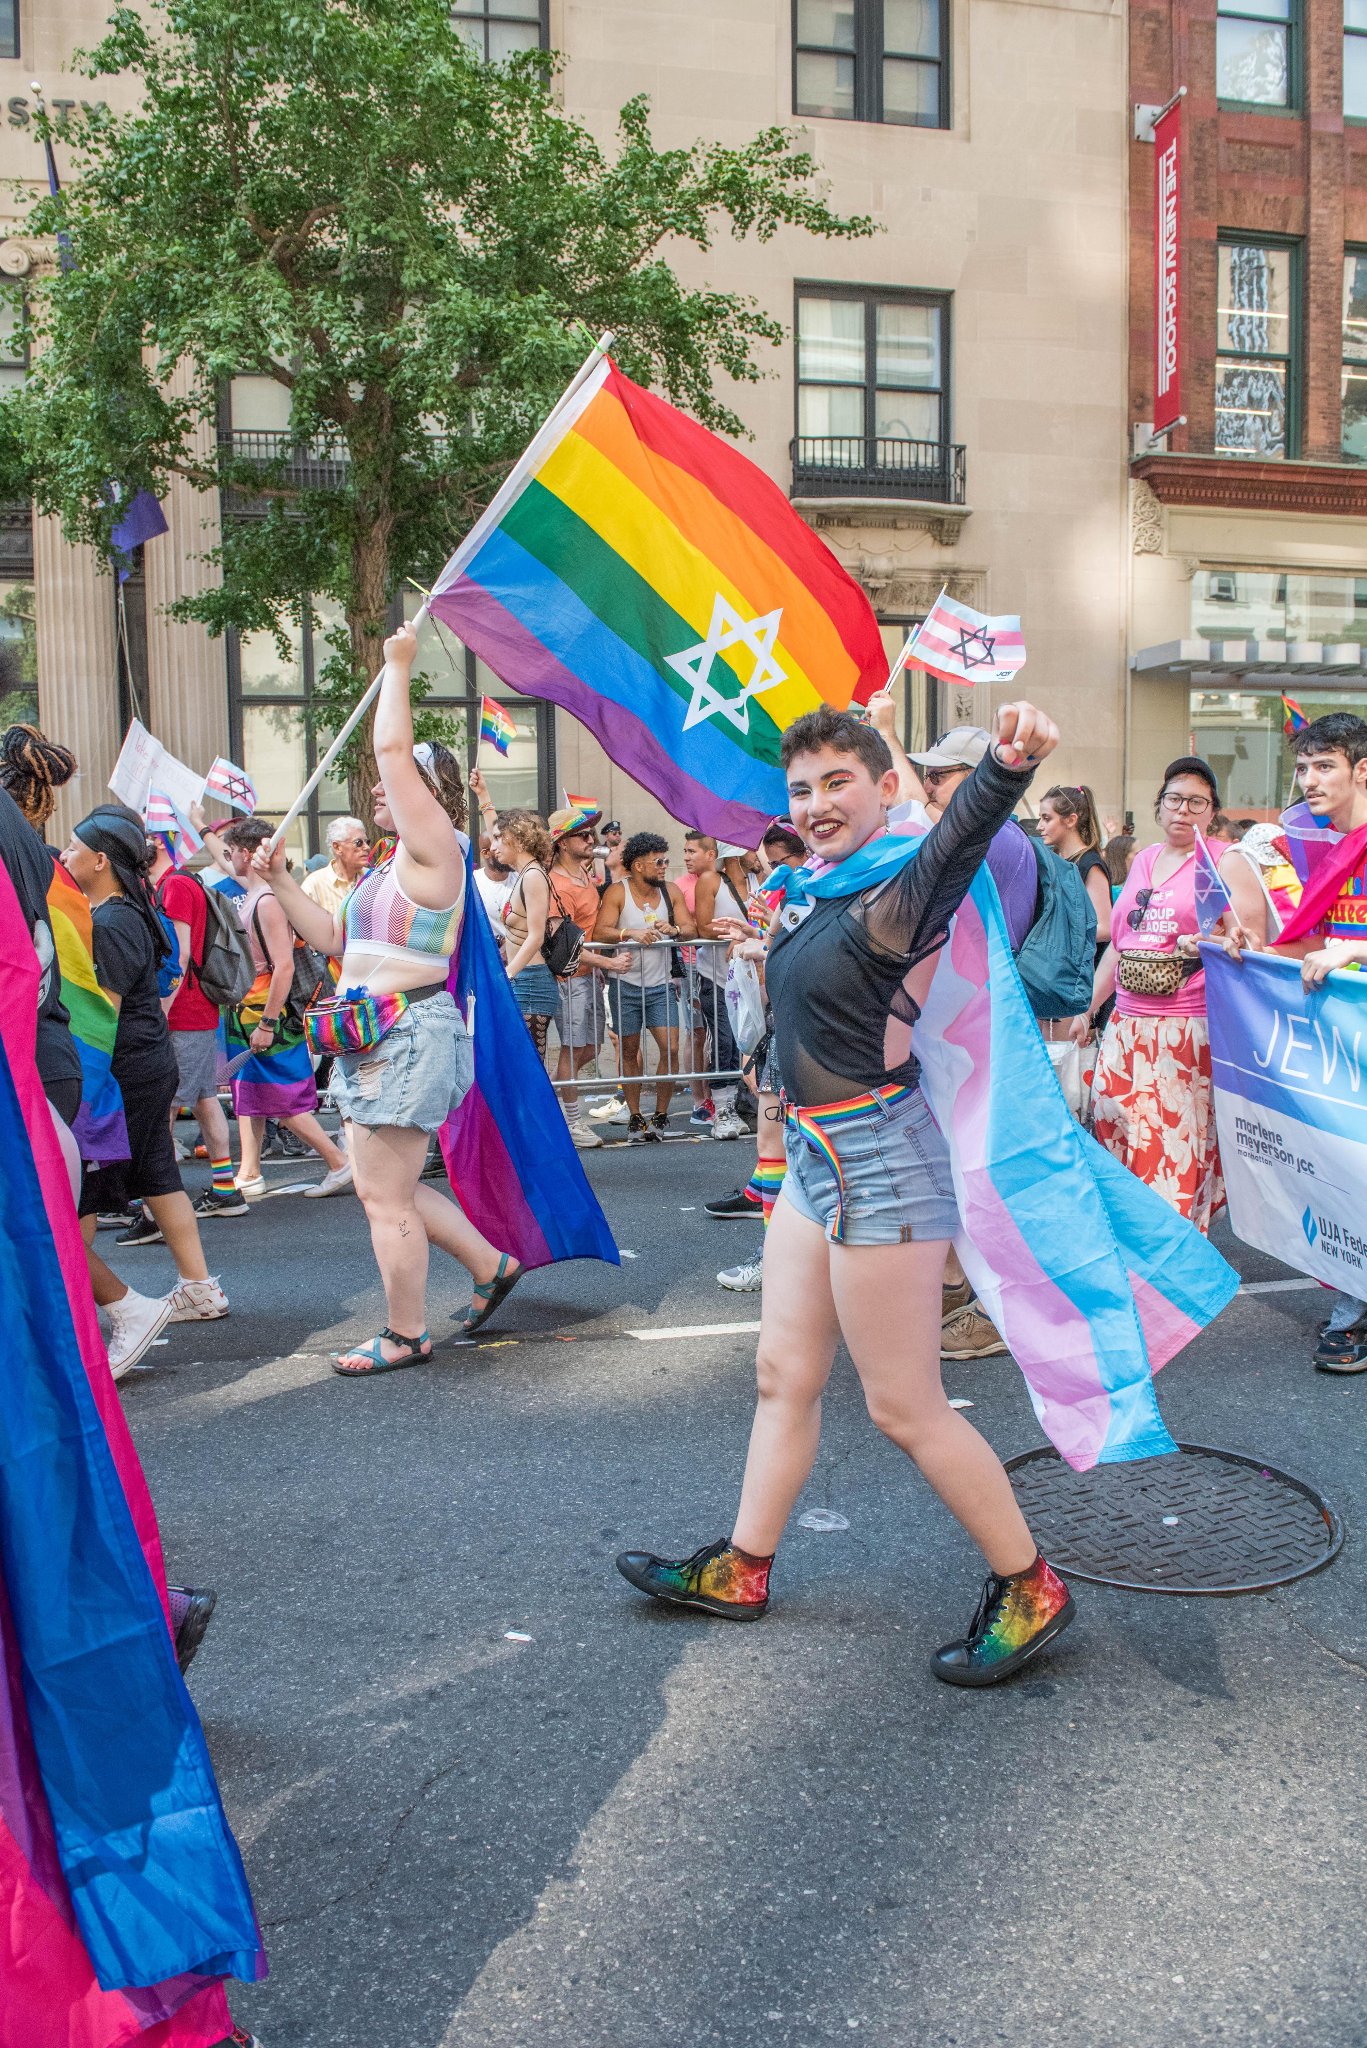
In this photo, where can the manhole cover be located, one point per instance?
(1205, 1521)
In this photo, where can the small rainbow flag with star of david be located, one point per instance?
(495, 725)
(641, 572)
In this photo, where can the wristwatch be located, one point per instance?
(269, 1022)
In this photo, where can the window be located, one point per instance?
(1253, 52)
(9, 28)
(871, 60)
(13, 343)
(1353, 431)
(872, 389)
(501, 28)
(18, 654)
(1279, 604)
(1355, 59)
(1256, 334)
(1240, 733)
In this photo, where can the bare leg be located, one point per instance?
(540, 1028)
(250, 1131)
(311, 1131)
(105, 1285)
(450, 1230)
(797, 1339)
(769, 1130)
(630, 1049)
(667, 1046)
(213, 1126)
(175, 1219)
(888, 1301)
(387, 1164)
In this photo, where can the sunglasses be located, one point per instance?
(1141, 904)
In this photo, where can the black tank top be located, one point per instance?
(835, 979)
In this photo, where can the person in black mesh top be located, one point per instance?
(859, 1235)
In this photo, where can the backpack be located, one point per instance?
(1058, 952)
(563, 940)
(168, 967)
(226, 971)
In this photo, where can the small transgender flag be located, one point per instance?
(964, 646)
(1212, 897)
(171, 826)
(495, 725)
(1295, 719)
(233, 785)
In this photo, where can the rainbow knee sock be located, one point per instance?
(222, 1171)
(767, 1180)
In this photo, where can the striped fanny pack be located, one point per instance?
(818, 1125)
(358, 1020)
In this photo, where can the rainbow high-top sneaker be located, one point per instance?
(718, 1578)
(1016, 1617)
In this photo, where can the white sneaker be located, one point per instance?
(134, 1324)
(613, 1111)
(251, 1190)
(584, 1139)
(726, 1124)
(744, 1279)
(197, 1301)
(335, 1183)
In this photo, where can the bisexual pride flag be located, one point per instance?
(495, 725)
(639, 571)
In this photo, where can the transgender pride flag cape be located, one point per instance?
(122, 1898)
(1093, 1281)
(508, 1151)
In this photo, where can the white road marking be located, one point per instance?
(692, 1330)
(1275, 1286)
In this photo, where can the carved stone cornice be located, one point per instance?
(1227, 483)
(944, 522)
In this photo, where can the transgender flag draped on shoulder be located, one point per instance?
(639, 571)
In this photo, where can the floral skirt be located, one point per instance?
(1152, 1108)
(279, 1081)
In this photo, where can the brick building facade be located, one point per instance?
(1249, 527)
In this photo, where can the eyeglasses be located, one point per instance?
(934, 775)
(1197, 805)
(1141, 904)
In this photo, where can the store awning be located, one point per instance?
(1344, 665)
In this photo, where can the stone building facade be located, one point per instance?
(951, 410)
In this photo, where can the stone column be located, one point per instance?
(187, 671)
(78, 673)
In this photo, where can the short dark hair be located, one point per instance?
(248, 832)
(699, 837)
(840, 730)
(1189, 764)
(641, 843)
(1337, 732)
(786, 836)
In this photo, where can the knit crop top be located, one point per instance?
(378, 914)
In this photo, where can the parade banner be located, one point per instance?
(144, 764)
(1167, 265)
(1289, 1067)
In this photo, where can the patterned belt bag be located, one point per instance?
(1153, 974)
(358, 1020)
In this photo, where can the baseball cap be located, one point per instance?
(962, 747)
(576, 818)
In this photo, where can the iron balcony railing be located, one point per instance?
(856, 466)
(321, 464)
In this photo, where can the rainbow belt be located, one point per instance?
(815, 1126)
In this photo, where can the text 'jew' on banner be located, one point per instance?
(1289, 1068)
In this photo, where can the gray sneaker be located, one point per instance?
(744, 1279)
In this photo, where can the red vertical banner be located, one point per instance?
(1167, 269)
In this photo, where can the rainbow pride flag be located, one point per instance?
(639, 571)
(1294, 719)
(99, 1129)
(495, 725)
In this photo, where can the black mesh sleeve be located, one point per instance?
(909, 915)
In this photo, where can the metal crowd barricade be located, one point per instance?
(697, 1008)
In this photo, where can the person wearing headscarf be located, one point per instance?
(107, 858)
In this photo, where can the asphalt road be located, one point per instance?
(637, 1829)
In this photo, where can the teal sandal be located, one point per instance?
(489, 1294)
(414, 1355)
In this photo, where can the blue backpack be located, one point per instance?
(1058, 952)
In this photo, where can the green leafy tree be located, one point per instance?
(340, 196)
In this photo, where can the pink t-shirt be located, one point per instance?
(1169, 915)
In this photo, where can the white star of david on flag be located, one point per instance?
(729, 630)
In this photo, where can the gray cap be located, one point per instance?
(963, 747)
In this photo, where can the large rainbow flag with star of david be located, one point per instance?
(639, 571)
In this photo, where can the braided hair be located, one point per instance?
(121, 836)
(33, 769)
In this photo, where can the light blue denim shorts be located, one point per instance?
(894, 1166)
(417, 1074)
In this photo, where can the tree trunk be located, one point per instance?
(366, 624)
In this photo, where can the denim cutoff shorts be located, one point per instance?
(417, 1074)
(536, 992)
(635, 1009)
(895, 1165)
